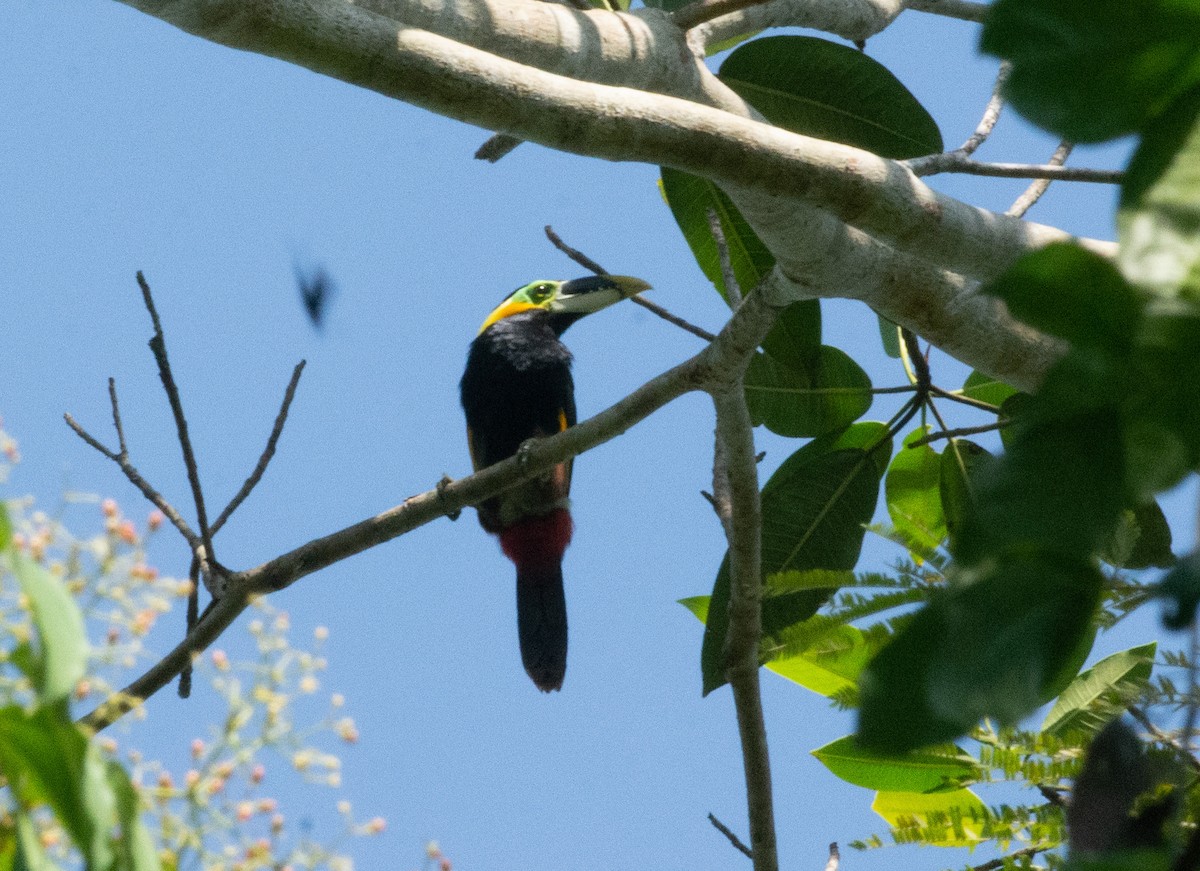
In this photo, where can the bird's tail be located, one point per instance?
(536, 546)
(542, 625)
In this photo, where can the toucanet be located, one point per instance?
(517, 386)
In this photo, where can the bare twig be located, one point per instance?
(141, 483)
(697, 13)
(951, 162)
(730, 352)
(733, 839)
(1034, 192)
(1163, 737)
(497, 147)
(993, 864)
(733, 291)
(158, 346)
(835, 858)
(116, 413)
(965, 400)
(961, 9)
(268, 451)
(955, 433)
(991, 113)
(1052, 796)
(591, 265)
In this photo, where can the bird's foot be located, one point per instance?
(525, 452)
(445, 482)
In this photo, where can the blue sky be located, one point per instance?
(130, 145)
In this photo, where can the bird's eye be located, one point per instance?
(541, 291)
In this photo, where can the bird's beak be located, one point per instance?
(586, 295)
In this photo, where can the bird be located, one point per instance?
(516, 386)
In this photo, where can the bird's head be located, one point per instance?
(567, 301)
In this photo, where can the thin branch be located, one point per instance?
(141, 483)
(961, 431)
(950, 162)
(733, 839)
(964, 10)
(697, 13)
(994, 864)
(835, 858)
(268, 451)
(733, 291)
(1162, 737)
(991, 113)
(591, 265)
(965, 400)
(116, 413)
(1034, 192)
(158, 346)
(733, 347)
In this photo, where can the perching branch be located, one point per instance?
(886, 238)
(729, 352)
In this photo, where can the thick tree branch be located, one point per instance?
(961, 9)
(705, 371)
(775, 176)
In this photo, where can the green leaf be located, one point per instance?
(985, 388)
(1142, 539)
(6, 530)
(953, 819)
(912, 490)
(1072, 293)
(797, 403)
(831, 665)
(1159, 218)
(698, 605)
(958, 473)
(936, 769)
(889, 335)
(1101, 693)
(690, 198)
(136, 851)
(1091, 70)
(814, 509)
(59, 625)
(998, 646)
(30, 855)
(52, 761)
(1060, 488)
(795, 339)
(832, 92)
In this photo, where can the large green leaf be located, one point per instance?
(912, 489)
(827, 396)
(987, 389)
(63, 653)
(814, 510)
(1074, 294)
(830, 665)
(1142, 539)
(795, 339)
(136, 851)
(997, 646)
(954, 819)
(53, 762)
(1159, 218)
(961, 463)
(1091, 70)
(1059, 489)
(935, 769)
(1102, 692)
(833, 92)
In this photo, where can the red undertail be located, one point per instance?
(536, 547)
